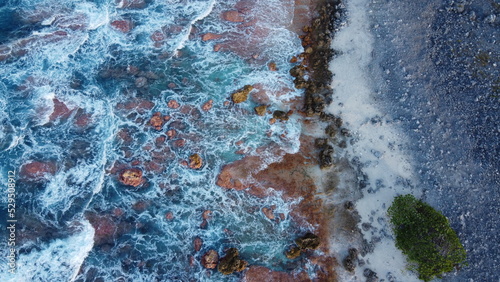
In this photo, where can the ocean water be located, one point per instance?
(76, 95)
(417, 83)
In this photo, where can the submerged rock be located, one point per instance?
(233, 16)
(308, 241)
(195, 161)
(241, 95)
(293, 253)
(131, 177)
(209, 259)
(231, 262)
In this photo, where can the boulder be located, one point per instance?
(195, 161)
(233, 16)
(38, 170)
(131, 177)
(231, 262)
(260, 110)
(122, 25)
(210, 36)
(241, 95)
(308, 241)
(209, 259)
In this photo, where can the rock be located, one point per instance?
(241, 95)
(171, 133)
(195, 161)
(297, 71)
(173, 104)
(325, 157)
(197, 243)
(169, 216)
(38, 170)
(141, 82)
(233, 16)
(293, 253)
(260, 274)
(122, 25)
(308, 241)
(210, 36)
(268, 213)
(350, 261)
(157, 121)
(272, 66)
(281, 115)
(260, 110)
(320, 143)
(157, 36)
(272, 121)
(209, 259)
(349, 205)
(370, 274)
(231, 262)
(217, 47)
(61, 111)
(208, 105)
(131, 177)
(206, 214)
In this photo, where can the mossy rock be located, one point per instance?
(293, 253)
(425, 237)
(231, 262)
(308, 241)
(241, 95)
(260, 110)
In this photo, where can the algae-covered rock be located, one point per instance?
(231, 262)
(241, 95)
(195, 161)
(308, 241)
(281, 115)
(260, 110)
(293, 253)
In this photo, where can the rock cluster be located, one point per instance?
(231, 262)
(351, 259)
(308, 241)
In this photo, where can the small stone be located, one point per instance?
(209, 259)
(197, 243)
(122, 25)
(195, 161)
(132, 177)
(281, 115)
(169, 216)
(208, 105)
(156, 121)
(268, 213)
(260, 110)
(272, 66)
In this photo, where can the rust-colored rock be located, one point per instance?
(171, 133)
(268, 212)
(169, 216)
(261, 110)
(173, 104)
(210, 259)
(207, 214)
(308, 241)
(131, 177)
(197, 243)
(233, 16)
(208, 105)
(122, 25)
(261, 274)
(157, 121)
(272, 66)
(210, 36)
(241, 95)
(195, 161)
(38, 170)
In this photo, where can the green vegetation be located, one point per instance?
(425, 237)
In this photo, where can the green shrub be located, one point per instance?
(425, 237)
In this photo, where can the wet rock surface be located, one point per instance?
(210, 259)
(241, 95)
(131, 177)
(231, 262)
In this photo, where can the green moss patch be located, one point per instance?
(425, 237)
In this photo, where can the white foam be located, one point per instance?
(377, 142)
(60, 260)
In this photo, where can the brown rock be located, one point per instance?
(233, 16)
(173, 104)
(171, 133)
(260, 274)
(217, 47)
(281, 115)
(209, 259)
(268, 213)
(210, 36)
(207, 214)
(179, 143)
(195, 161)
(231, 262)
(169, 216)
(208, 105)
(272, 66)
(172, 85)
(260, 110)
(157, 121)
(197, 243)
(241, 95)
(38, 170)
(60, 110)
(122, 25)
(157, 36)
(132, 177)
(308, 241)
(293, 252)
